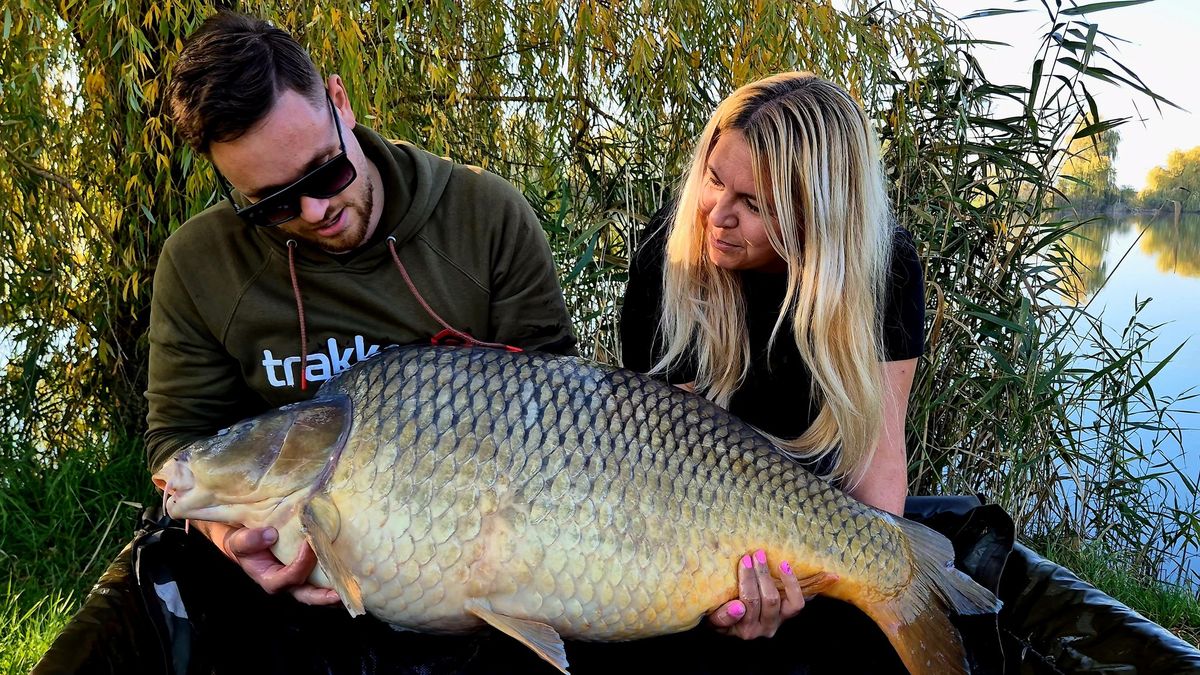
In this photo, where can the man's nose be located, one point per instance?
(313, 210)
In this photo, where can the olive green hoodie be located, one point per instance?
(224, 323)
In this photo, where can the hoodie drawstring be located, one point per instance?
(440, 338)
(291, 245)
(448, 330)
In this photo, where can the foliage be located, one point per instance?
(1178, 181)
(1022, 396)
(591, 108)
(1088, 177)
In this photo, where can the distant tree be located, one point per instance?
(1178, 181)
(1128, 195)
(1088, 178)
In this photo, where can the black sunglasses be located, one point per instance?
(323, 182)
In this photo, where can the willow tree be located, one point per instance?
(1088, 177)
(1176, 181)
(590, 107)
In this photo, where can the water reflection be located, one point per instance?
(1173, 244)
(1122, 263)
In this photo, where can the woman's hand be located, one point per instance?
(761, 608)
(250, 548)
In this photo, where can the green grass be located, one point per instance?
(60, 527)
(1173, 607)
(30, 625)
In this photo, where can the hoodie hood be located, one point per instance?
(413, 183)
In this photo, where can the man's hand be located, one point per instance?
(250, 548)
(760, 609)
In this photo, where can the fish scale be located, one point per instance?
(549, 496)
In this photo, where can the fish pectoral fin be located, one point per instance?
(320, 522)
(816, 584)
(539, 637)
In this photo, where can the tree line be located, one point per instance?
(1088, 180)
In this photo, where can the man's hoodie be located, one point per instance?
(225, 324)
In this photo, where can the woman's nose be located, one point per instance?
(722, 215)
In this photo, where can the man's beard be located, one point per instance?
(358, 222)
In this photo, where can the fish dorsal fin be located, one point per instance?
(539, 637)
(321, 522)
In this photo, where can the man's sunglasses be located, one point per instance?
(323, 182)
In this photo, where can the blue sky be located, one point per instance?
(1163, 49)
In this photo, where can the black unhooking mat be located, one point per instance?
(171, 604)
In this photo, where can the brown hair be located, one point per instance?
(229, 75)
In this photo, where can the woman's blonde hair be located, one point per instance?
(816, 159)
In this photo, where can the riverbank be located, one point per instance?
(1120, 211)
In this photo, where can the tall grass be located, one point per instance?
(1023, 395)
(30, 626)
(61, 524)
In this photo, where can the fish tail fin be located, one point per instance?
(917, 622)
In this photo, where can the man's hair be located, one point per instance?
(229, 75)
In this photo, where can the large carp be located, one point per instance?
(443, 488)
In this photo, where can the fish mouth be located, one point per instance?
(182, 499)
(174, 475)
(176, 482)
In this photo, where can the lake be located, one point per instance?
(1156, 258)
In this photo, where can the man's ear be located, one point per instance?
(341, 101)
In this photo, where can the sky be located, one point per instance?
(1163, 46)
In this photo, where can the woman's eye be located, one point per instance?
(752, 206)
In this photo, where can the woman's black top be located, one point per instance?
(775, 394)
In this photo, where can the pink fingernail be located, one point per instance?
(785, 567)
(746, 562)
(760, 556)
(737, 609)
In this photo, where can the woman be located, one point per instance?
(778, 286)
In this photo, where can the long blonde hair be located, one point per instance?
(813, 148)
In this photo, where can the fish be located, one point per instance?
(444, 489)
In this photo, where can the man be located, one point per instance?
(332, 244)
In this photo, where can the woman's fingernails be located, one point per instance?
(270, 535)
(785, 567)
(746, 562)
(737, 609)
(760, 556)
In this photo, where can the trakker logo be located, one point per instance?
(285, 372)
